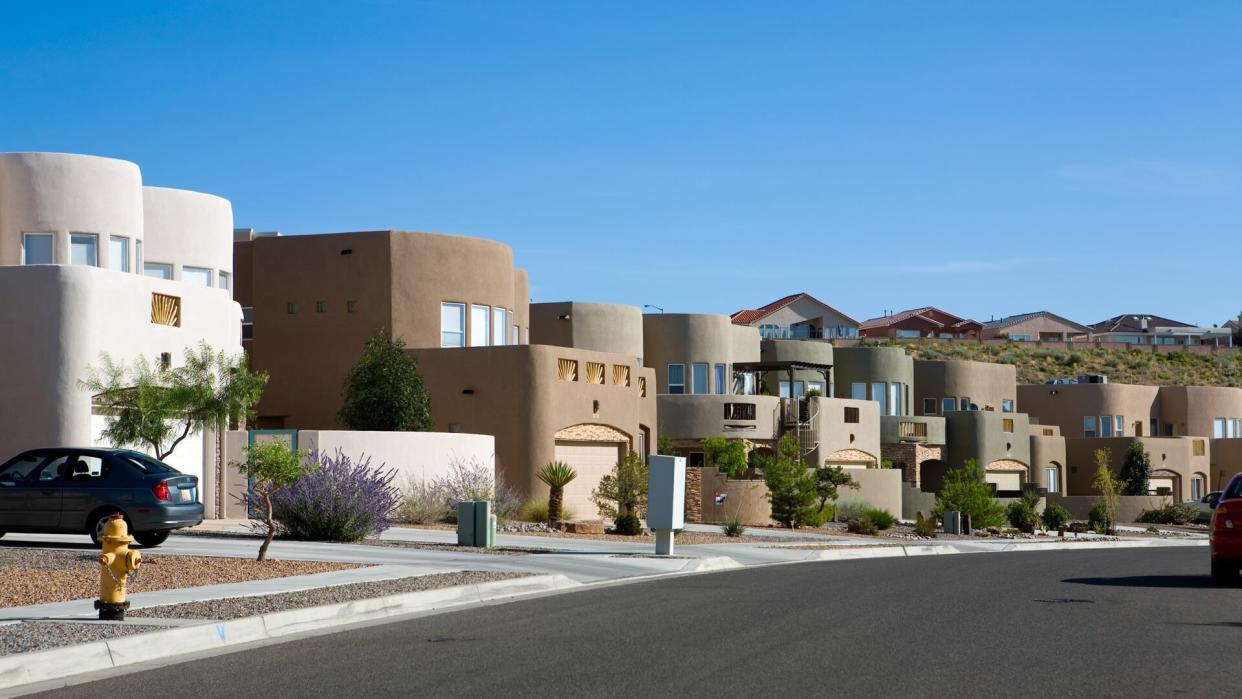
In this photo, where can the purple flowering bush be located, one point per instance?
(338, 500)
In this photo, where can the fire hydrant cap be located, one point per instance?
(115, 531)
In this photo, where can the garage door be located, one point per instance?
(592, 461)
(1005, 482)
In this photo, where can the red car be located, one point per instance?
(1225, 536)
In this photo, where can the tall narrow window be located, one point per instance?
(719, 378)
(858, 391)
(480, 321)
(1088, 425)
(894, 399)
(84, 249)
(498, 326)
(504, 328)
(36, 249)
(676, 378)
(452, 324)
(966, 404)
(198, 276)
(1052, 479)
(699, 375)
(118, 253)
(1119, 426)
(1218, 428)
(224, 281)
(159, 270)
(138, 257)
(1106, 425)
(877, 395)
(517, 335)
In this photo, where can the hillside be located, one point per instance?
(1038, 364)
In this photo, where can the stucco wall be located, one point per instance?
(1129, 507)
(1048, 452)
(60, 193)
(1226, 460)
(698, 417)
(1065, 405)
(687, 338)
(746, 500)
(836, 435)
(1192, 409)
(813, 351)
(873, 365)
(188, 229)
(602, 327)
(987, 385)
(415, 456)
(1171, 457)
(879, 486)
(980, 435)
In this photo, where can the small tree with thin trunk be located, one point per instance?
(271, 465)
(1106, 485)
(556, 476)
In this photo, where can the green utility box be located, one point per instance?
(476, 525)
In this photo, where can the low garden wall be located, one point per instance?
(879, 486)
(1129, 507)
(914, 501)
(745, 499)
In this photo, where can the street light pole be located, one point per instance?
(647, 305)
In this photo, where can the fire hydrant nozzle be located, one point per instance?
(115, 564)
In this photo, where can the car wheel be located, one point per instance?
(96, 528)
(1225, 573)
(151, 539)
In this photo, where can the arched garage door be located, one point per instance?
(592, 461)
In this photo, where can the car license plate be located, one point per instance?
(186, 495)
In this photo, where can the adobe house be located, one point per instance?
(927, 322)
(798, 317)
(1040, 326)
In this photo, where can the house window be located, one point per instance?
(498, 326)
(223, 280)
(291, 308)
(894, 399)
(1106, 425)
(1119, 426)
(158, 270)
(858, 391)
(719, 378)
(744, 384)
(948, 405)
(1020, 338)
(1007, 405)
(36, 249)
(1052, 479)
(197, 276)
(1196, 488)
(907, 334)
(966, 404)
(799, 389)
(517, 335)
(351, 306)
(118, 253)
(851, 415)
(321, 306)
(877, 395)
(452, 324)
(138, 256)
(1088, 425)
(929, 406)
(567, 369)
(247, 323)
(699, 376)
(676, 378)
(1007, 425)
(739, 411)
(1219, 428)
(595, 372)
(815, 386)
(84, 249)
(480, 321)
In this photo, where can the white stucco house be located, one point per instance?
(91, 261)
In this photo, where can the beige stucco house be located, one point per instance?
(1040, 326)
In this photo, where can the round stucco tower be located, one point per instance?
(603, 327)
(809, 351)
(189, 236)
(684, 340)
(881, 374)
(59, 208)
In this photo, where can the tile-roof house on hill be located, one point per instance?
(1043, 326)
(926, 322)
(798, 316)
(1141, 329)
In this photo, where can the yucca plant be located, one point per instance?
(556, 475)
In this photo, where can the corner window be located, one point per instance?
(699, 374)
(198, 276)
(480, 322)
(118, 253)
(224, 280)
(894, 399)
(719, 377)
(84, 249)
(36, 249)
(158, 270)
(1088, 425)
(452, 324)
(498, 326)
(1007, 405)
(676, 378)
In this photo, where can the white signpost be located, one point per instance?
(666, 499)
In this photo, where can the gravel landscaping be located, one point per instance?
(39, 576)
(37, 635)
(237, 607)
(454, 548)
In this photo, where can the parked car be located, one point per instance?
(1225, 535)
(75, 490)
(1205, 505)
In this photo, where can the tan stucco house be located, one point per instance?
(1039, 326)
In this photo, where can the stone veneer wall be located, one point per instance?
(694, 494)
(912, 455)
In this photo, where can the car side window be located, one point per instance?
(54, 469)
(20, 468)
(86, 468)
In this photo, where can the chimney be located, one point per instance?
(1143, 323)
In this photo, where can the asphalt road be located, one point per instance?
(1129, 622)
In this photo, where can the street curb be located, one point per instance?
(861, 552)
(43, 666)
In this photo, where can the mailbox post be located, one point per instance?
(666, 499)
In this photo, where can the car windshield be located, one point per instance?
(1234, 490)
(146, 464)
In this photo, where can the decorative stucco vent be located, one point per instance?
(620, 375)
(166, 310)
(567, 369)
(595, 372)
(642, 387)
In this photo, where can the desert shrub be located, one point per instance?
(536, 510)
(862, 525)
(733, 527)
(628, 524)
(880, 518)
(1100, 518)
(421, 503)
(340, 500)
(472, 480)
(852, 509)
(1173, 513)
(1055, 517)
(624, 491)
(1079, 527)
(556, 475)
(925, 526)
(814, 517)
(1021, 516)
(965, 490)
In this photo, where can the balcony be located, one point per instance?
(806, 332)
(691, 416)
(917, 429)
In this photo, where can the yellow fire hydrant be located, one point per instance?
(115, 563)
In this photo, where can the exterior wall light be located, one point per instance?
(467, 391)
(595, 408)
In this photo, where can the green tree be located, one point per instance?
(792, 487)
(271, 466)
(1106, 485)
(728, 455)
(664, 447)
(624, 491)
(1135, 473)
(828, 482)
(556, 476)
(966, 490)
(384, 391)
(148, 405)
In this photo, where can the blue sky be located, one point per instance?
(988, 158)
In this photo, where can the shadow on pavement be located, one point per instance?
(1184, 581)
